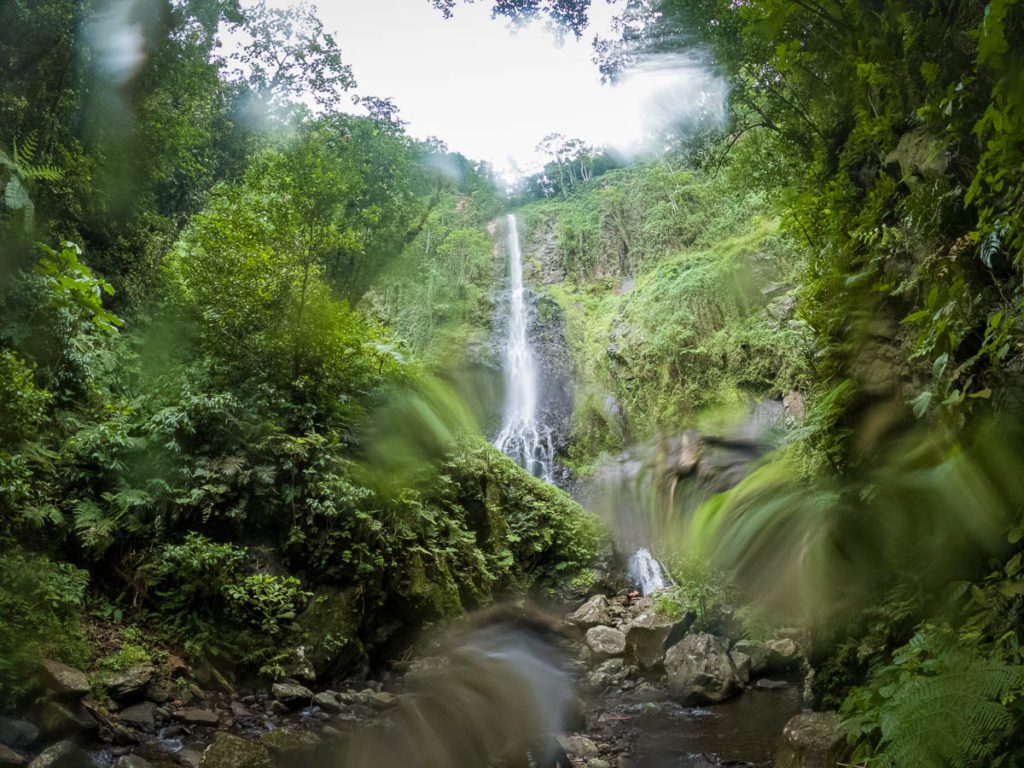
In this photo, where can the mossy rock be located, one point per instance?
(332, 623)
(229, 751)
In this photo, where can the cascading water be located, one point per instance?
(522, 436)
(645, 572)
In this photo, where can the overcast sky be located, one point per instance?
(490, 91)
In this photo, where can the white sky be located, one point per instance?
(493, 92)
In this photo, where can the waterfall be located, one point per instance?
(645, 572)
(522, 436)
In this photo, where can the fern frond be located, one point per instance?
(23, 155)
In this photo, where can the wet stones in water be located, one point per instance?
(605, 641)
(811, 740)
(291, 693)
(700, 670)
(202, 717)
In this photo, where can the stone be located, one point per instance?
(327, 701)
(783, 654)
(8, 757)
(229, 751)
(62, 679)
(699, 669)
(120, 685)
(58, 721)
(189, 757)
(289, 746)
(204, 717)
(17, 734)
(63, 754)
(811, 740)
(580, 746)
(332, 621)
(764, 684)
(741, 661)
(757, 653)
(921, 157)
(299, 666)
(591, 613)
(132, 761)
(159, 691)
(238, 709)
(141, 715)
(605, 641)
(291, 693)
(645, 640)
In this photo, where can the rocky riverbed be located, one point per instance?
(650, 691)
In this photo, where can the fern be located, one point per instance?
(22, 172)
(941, 703)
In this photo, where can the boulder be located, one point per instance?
(580, 746)
(608, 673)
(299, 666)
(124, 683)
(204, 717)
(160, 691)
(591, 613)
(289, 746)
(327, 701)
(62, 679)
(291, 693)
(189, 757)
(811, 740)
(757, 653)
(700, 670)
(229, 751)
(742, 663)
(142, 715)
(17, 734)
(60, 721)
(764, 684)
(63, 754)
(783, 654)
(8, 757)
(605, 641)
(645, 639)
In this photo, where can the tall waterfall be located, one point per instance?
(522, 436)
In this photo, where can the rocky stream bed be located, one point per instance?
(649, 693)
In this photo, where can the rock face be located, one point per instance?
(17, 734)
(63, 680)
(591, 613)
(58, 721)
(699, 669)
(229, 751)
(645, 640)
(63, 754)
(811, 740)
(605, 641)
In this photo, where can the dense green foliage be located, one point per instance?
(192, 384)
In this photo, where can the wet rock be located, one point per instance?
(203, 717)
(591, 613)
(764, 684)
(142, 715)
(742, 663)
(783, 654)
(699, 669)
(757, 653)
(811, 740)
(17, 734)
(58, 721)
(608, 673)
(189, 757)
(291, 693)
(63, 754)
(62, 679)
(579, 746)
(8, 757)
(132, 761)
(238, 709)
(327, 701)
(159, 691)
(605, 641)
(647, 692)
(288, 746)
(279, 709)
(645, 639)
(229, 751)
(122, 684)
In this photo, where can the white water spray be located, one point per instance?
(522, 436)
